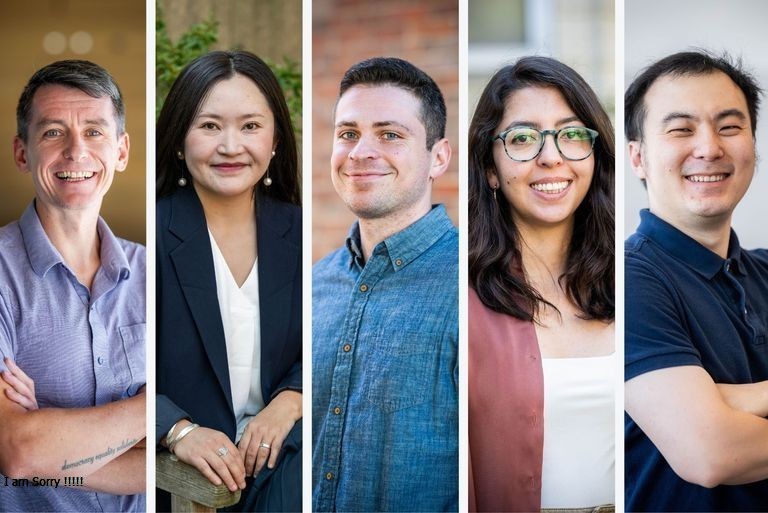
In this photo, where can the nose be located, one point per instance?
(229, 143)
(549, 156)
(76, 148)
(708, 145)
(363, 149)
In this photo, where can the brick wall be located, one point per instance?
(347, 31)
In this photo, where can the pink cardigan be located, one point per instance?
(506, 408)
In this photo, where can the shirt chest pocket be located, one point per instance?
(402, 370)
(134, 348)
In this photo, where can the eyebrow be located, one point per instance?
(377, 124)
(54, 121)
(672, 116)
(219, 117)
(533, 124)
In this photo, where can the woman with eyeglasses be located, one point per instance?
(541, 299)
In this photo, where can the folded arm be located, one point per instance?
(705, 441)
(57, 442)
(750, 397)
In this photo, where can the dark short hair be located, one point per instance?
(86, 76)
(402, 74)
(495, 261)
(691, 63)
(184, 101)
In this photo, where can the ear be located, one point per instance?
(20, 154)
(492, 177)
(636, 159)
(124, 145)
(441, 157)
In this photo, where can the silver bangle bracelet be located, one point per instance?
(184, 432)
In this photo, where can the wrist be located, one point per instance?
(291, 402)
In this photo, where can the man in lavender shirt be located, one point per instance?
(72, 308)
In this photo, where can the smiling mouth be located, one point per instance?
(551, 187)
(74, 176)
(706, 178)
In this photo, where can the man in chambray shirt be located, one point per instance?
(72, 308)
(385, 306)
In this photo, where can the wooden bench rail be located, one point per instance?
(190, 490)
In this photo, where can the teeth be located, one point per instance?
(707, 178)
(74, 175)
(550, 187)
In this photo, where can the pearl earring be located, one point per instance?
(181, 181)
(180, 155)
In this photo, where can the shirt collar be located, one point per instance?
(406, 245)
(43, 255)
(688, 250)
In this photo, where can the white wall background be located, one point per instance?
(656, 28)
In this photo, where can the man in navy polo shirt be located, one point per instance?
(696, 394)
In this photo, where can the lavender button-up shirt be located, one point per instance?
(82, 348)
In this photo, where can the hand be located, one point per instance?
(22, 387)
(200, 448)
(270, 427)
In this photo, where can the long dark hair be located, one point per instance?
(184, 101)
(495, 262)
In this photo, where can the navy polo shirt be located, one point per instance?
(685, 305)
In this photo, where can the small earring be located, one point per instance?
(180, 155)
(182, 181)
(494, 192)
(273, 153)
(267, 180)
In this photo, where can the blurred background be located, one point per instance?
(735, 27)
(111, 34)
(345, 32)
(579, 33)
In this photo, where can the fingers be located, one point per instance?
(214, 455)
(277, 445)
(19, 399)
(261, 445)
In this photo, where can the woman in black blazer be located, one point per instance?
(228, 191)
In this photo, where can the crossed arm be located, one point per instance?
(102, 444)
(709, 434)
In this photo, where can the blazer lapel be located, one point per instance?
(278, 262)
(193, 262)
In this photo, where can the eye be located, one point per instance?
(251, 126)
(575, 134)
(53, 132)
(731, 130)
(390, 136)
(208, 125)
(348, 135)
(522, 136)
(92, 132)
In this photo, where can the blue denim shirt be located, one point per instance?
(81, 347)
(385, 372)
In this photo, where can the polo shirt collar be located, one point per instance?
(43, 255)
(406, 245)
(688, 250)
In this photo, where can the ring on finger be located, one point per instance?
(265, 445)
(223, 451)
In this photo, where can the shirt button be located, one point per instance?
(347, 348)
(329, 476)
(727, 267)
(398, 262)
(337, 410)
(363, 287)
(100, 360)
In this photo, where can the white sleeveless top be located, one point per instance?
(578, 467)
(240, 317)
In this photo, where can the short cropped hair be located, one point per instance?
(402, 74)
(86, 76)
(690, 63)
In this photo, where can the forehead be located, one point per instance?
(238, 94)
(701, 96)
(58, 101)
(367, 105)
(543, 107)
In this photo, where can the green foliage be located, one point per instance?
(171, 58)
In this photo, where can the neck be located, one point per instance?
(223, 213)
(714, 233)
(75, 236)
(375, 230)
(544, 251)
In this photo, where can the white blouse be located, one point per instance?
(578, 467)
(240, 317)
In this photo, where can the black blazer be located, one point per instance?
(192, 370)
